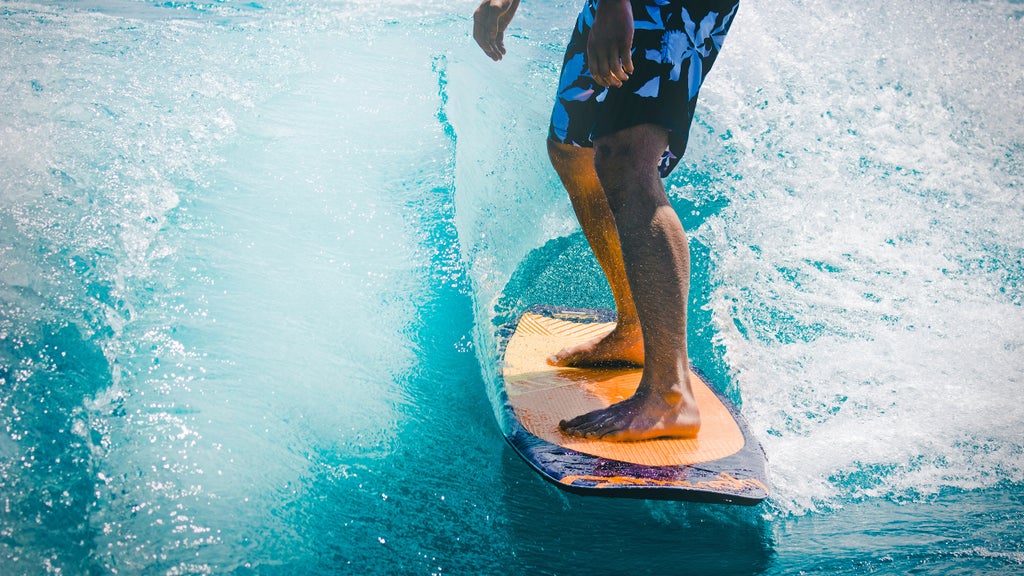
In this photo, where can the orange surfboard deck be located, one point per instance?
(723, 463)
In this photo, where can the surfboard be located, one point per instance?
(725, 463)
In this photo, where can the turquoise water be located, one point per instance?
(253, 257)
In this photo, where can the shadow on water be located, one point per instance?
(555, 532)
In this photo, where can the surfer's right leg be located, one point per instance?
(572, 154)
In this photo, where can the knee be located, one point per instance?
(615, 164)
(626, 177)
(629, 159)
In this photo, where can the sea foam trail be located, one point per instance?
(208, 276)
(869, 266)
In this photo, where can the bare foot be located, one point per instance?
(642, 416)
(622, 346)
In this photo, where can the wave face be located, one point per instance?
(254, 257)
(222, 229)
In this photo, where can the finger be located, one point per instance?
(594, 63)
(615, 71)
(503, 21)
(489, 47)
(621, 63)
(627, 61)
(599, 69)
(595, 72)
(483, 41)
(609, 57)
(499, 44)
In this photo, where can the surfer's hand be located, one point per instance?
(489, 22)
(608, 48)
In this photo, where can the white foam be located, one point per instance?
(870, 297)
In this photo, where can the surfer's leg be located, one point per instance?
(657, 265)
(572, 154)
(575, 166)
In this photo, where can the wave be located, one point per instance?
(224, 233)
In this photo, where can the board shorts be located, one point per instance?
(675, 43)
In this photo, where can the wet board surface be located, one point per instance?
(724, 463)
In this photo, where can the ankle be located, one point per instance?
(627, 326)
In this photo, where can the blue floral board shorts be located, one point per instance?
(675, 43)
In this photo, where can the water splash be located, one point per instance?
(869, 265)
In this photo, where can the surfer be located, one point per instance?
(620, 123)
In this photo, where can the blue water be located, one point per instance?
(253, 257)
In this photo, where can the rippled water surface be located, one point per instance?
(253, 257)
